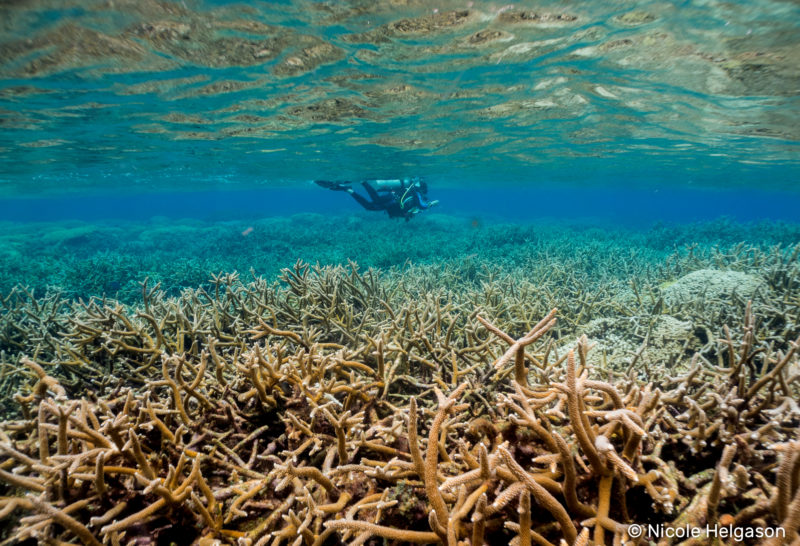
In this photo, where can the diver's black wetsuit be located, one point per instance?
(384, 200)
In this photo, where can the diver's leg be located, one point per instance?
(364, 202)
(373, 194)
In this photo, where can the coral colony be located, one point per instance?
(336, 407)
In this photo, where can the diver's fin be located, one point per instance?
(331, 185)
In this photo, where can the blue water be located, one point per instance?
(631, 207)
(622, 114)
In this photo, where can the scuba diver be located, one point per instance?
(399, 198)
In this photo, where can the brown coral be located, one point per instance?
(250, 417)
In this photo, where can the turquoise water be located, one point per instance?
(131, 97)
(616, 115)
(200, 345)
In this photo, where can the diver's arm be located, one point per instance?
(415, 200)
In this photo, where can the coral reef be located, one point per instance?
(340, 405)
(643, 341)
(112, 258)
(711, 284)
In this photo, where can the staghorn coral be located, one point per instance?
(260, 414)
(304, 406)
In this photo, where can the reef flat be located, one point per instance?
(560, 385)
